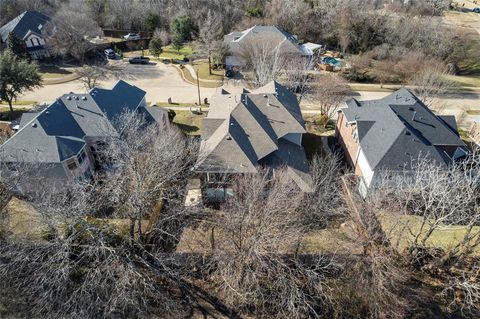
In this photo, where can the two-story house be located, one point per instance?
(243, 132)
(61, 142)
(390, 134)
(27, 27)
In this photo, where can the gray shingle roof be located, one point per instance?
(59, 131)
(399, 128)
(272, 34)
(25, 22)
(251, 129)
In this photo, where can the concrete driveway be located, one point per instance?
(160, 81)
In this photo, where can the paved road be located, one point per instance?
(160, 81)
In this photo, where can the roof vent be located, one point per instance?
(84, 98)
(34, 124)
(69, 98)
(411, 109)
(47, 112)
(77, 98)
(229, 137)
(265, 95)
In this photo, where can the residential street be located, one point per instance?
(160, 81)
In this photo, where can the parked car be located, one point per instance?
(110, 54)
(476, 10)
(139, 60)
(132, 36)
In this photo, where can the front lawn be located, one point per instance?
(53, 71)
(189, 122)
(202, 67)
(170, 53)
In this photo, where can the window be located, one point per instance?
(71, 164)
(81, 157)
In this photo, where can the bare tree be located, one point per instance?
(256, 239)
(70, 31)
(264, 58)
(87, 258)
(430, 82)
(92, 75)
(142, 165)
(329, 92)
(437, 198)
(209, 38)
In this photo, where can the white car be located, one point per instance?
(132, 36)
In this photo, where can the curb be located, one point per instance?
(190, 82)
(53, 81)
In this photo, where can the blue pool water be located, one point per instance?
(331, 61)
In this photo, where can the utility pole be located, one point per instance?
(198, 87)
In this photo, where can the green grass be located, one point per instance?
(464, 80)
(170, 53)
(188, 122)
(473, 112)
(202, 67)
(17, 112)
(19, 102)
(397, 227)
(53, 71)
(189, 78)
(174, 104)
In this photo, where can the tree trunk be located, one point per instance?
(10, 116)
(209, 65)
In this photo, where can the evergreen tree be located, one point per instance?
(16, 46)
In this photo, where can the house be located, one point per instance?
(272, 36)
(475, 130)
(62, 141)
(242, 132)
(390, 133)
(27, 27)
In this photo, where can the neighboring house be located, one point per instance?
(61, 142)
(27, 27)
(270, 36)
(262, 128)
(475, 130)
(390, 133)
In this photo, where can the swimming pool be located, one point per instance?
(331, 61)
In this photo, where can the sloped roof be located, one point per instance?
(59, 131)
(275, 35)
(242, 132)
(28, 21)
(399, 128)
